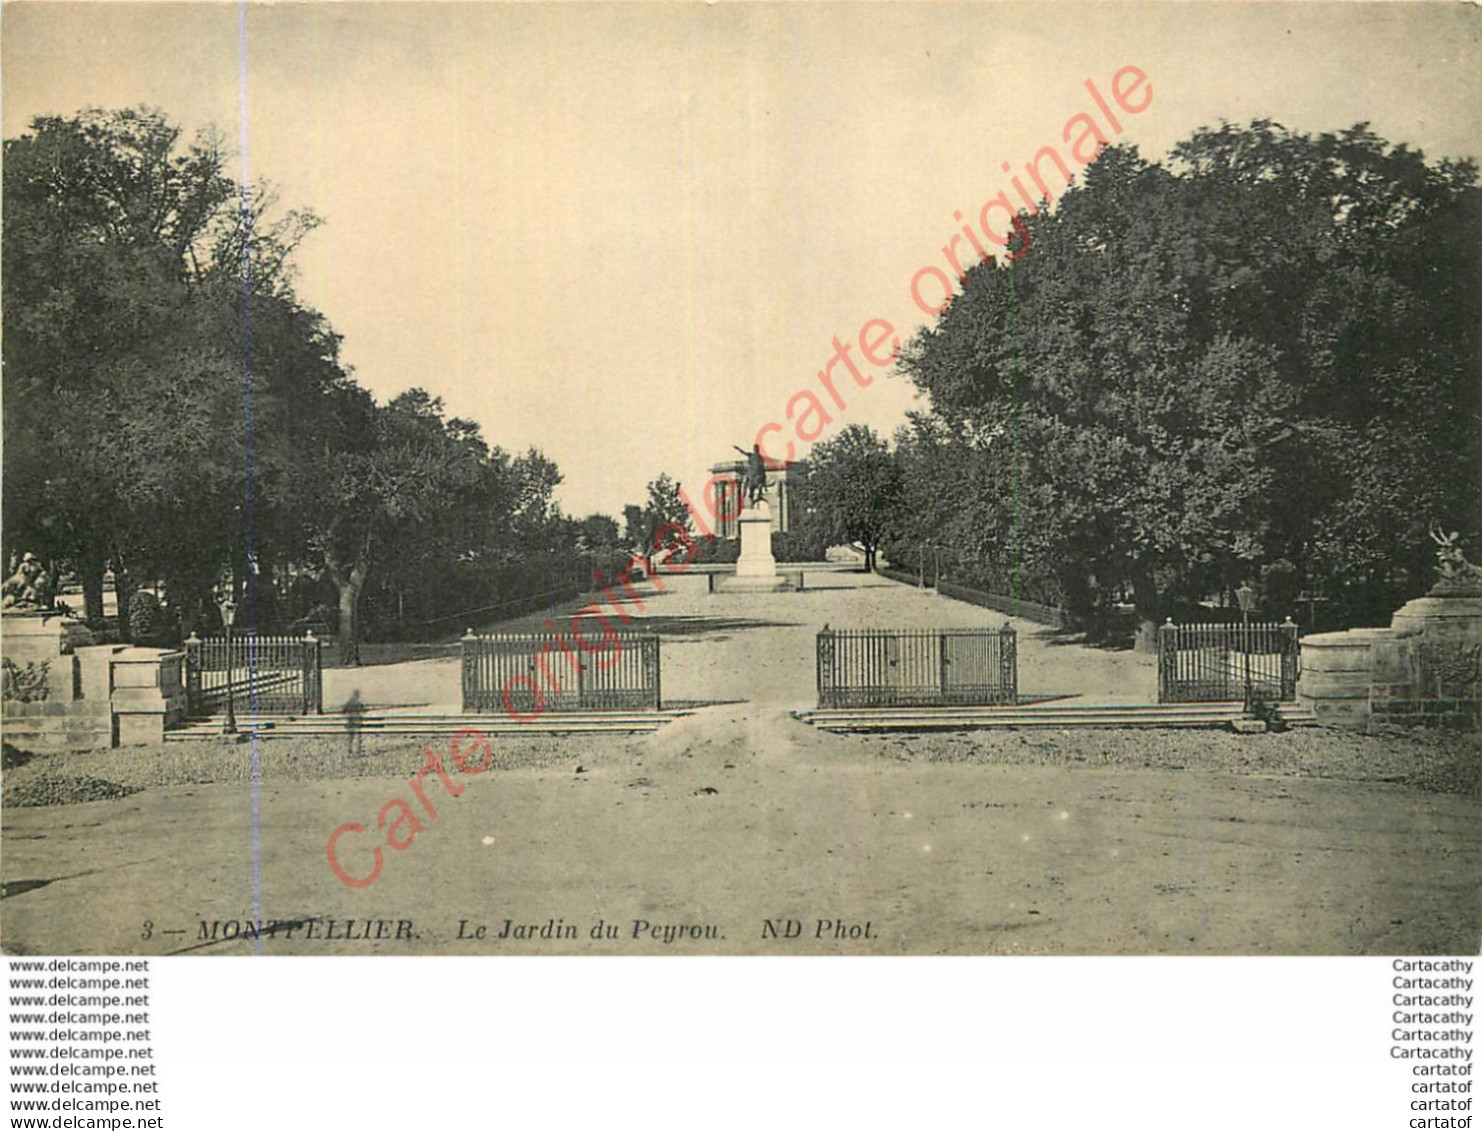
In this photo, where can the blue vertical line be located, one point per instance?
(249, 502)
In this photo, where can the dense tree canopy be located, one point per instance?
(175, 414)
(1257, 360)
(127, 435)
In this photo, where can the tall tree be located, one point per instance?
(174, 412)
(645, 526)
(128, 375)
(854, 489)
(399, 474)
(1256, 355)
(103, 214)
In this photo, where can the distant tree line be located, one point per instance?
(175, 416)
(1256, 363)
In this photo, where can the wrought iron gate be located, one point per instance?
(267, 674)
(1208, 663)
(946, 667)
(524, 675)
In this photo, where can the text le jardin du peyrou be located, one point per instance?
(319, 929)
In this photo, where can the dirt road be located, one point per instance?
(751, 827)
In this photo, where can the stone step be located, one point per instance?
(1045, 707)
(960, 718)
(339, 726)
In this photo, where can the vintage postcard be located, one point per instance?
(742, 479)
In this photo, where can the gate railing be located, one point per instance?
(266, 674)
(1207, 663)
(934, 667)
(524, 675)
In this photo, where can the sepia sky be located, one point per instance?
(627, 234)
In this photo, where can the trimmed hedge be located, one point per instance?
(897, 575)
(1010, 606)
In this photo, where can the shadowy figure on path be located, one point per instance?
(354, 722)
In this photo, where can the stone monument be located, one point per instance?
(1425, 668)
(40, 637)
(45, 700)
(756, 568)
(754, 478)
(63, 690)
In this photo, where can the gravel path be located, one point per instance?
(1434, 761)
(1095, 842)
(761, 646)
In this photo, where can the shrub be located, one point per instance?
(150, 623)
(722, 551)
(798, 546)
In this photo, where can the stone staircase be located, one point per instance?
(406, 724)
(1039, 715)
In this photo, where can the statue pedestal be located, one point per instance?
(46, 643)
(51, 706)
(1429, 668)
(70, 693)
(756, 568)
(1426, 668)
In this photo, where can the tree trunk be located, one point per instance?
(350, 621)
(1145, 600)
(349, 584)
(123, 589)
(90, 572)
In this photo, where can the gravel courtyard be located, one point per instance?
(738, 830)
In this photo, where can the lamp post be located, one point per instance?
(228, 607)
(1246, 595)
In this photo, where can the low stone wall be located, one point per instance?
(1336, 673)
(58, 726)
(148, 695)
